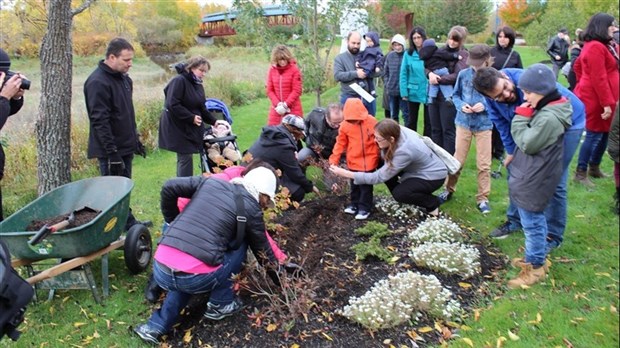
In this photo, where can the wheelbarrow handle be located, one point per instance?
(46, 230)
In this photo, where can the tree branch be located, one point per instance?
(82, 7)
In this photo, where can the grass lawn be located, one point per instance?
(576, 305)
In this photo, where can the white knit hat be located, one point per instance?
(398, 39)
(261, 180)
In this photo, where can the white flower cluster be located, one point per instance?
(400, 298)
(400, 211)
(436, 230)
(451, 258)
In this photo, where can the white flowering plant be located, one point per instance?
(403, 212)
(450, 258)
(436, 230)
(400, 298)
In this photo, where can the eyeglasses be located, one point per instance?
(379, 139)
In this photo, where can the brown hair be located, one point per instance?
(196, 62)
(389, 129)
(280, 52)
(458, 33)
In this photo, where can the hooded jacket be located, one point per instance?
(277, 146)
(413, 82)
(284, 84)
(371, 57)
(356, 137)
(536, 168)
(184, 98)
(109, 104)
(391, 73)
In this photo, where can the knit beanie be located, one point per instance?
(5, 61)
(295, 121)
(538, 78)
(429, 43)
(398, 39)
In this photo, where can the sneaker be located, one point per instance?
(362, 215)
(484, 207)
(147, 334)
(444, 196)
(219, 312)
(502, 231)
(551, 245)
(350, 209)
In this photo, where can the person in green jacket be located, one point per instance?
(413, 82)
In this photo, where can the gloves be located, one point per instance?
(282, 108)
(140, 149)
(116, 166)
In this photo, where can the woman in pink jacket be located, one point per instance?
(598, 88)
(284, 86)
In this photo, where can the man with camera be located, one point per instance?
(12, 86)
(113, 137)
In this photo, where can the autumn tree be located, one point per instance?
(395, 19)
(53, 125)
(515, 13)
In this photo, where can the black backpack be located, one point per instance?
(15, 294)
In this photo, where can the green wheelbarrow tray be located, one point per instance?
(108, 194)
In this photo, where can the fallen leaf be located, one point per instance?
(387, 341)
(468, 341)
(187, 338)
(613, 309)
(464, 285)
(603, 274)
(500, 342)
(108, 324)
(425, 329)
(271, 327)
(512, 336)
(295, 345)
(453, 324)
(538, 317)
(96, 335)
(326, 336)
(568, 343)
(476, 315)
(394, 259)
(438, 326)
(446, 333)
(78, 324)
(580, 216)
(599, 334)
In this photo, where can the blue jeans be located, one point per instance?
(370, 107)
(592, 149)
(182, 286)
(555, 212)
(535, 229)
(398, 104)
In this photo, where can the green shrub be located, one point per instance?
(147, 121)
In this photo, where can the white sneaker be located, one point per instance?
(362, 215)
(350, 210)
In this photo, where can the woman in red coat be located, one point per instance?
(284, 86)
(598, 88)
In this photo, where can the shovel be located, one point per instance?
(47, 229)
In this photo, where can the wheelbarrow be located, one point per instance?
(77, 246)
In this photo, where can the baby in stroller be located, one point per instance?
(220, 144)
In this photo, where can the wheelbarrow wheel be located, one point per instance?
(138, 248)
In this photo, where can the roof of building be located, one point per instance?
(269, 10)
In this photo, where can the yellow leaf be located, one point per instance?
(613, 309)
(394, 259)
(580, 216)
(538, 317)
(512, 336)
(525, 287)
(464, 285)
(599, 334)
(326, 336)
(271, 327)
(295, 345)
(465, 328)
(96, 335)
(425, 329)
(476, 315)
(391, 248)
(453, 324)
(387, 341)
(438, 326)
(468, 341)
(500, 342)
(187, 338)
(603, 274)
(78, 324)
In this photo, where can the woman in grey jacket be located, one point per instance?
(412, 172)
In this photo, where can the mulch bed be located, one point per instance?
(320, 235)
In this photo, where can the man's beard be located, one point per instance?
(354, 50)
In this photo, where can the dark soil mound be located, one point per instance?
(320, 235)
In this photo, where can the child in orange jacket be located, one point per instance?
(356, 137)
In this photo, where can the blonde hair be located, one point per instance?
(280, 52)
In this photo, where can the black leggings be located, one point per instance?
(415, 191)
(414, 108)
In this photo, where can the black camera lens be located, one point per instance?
(25, 82)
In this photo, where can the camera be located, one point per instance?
(25, 82)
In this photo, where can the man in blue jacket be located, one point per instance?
(502, 97)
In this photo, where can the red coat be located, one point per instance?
(356, 137)
(597, 83)
(284, 84)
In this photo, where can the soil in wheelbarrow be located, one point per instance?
(320, 236)
(82, 217)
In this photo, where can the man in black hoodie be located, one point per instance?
(113, 137)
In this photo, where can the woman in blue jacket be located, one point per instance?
(413, 82)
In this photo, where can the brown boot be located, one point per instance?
(594, 171)
(528, 276)
(520, 261)
(581, 177)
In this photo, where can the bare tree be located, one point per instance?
(53, 125)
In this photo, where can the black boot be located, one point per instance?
(153, 291)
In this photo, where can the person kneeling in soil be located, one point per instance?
(200, 252)
(536, 168)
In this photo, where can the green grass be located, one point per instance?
(577, 303)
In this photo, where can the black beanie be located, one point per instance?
(5, 61)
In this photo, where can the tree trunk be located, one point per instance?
(53, 125)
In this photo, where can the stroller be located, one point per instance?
(220, 147)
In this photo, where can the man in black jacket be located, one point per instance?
(558, 51)
(113, 137)
(11, 101)
(321, 131)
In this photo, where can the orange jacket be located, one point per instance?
(356, 137)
